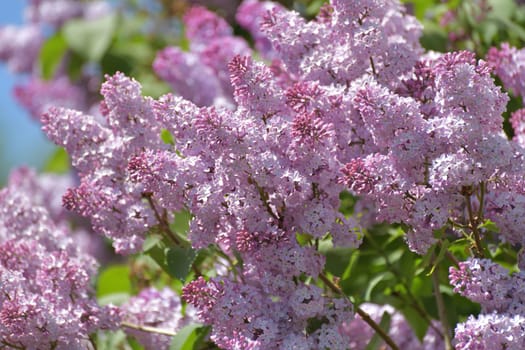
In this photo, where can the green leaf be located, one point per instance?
(503, 8)
(167, 137)
(303, 238)
(189, 337)
(151, 241)
(58, 163)
(434, 37)
(179, 261)
(353, 261)
(509, 25)
(111, 340)
(489, 226)
(75, 66)
(51, 55)
(421, 287)
(376, 340)
(114, 279)
(489, 30)
(338, 259)
(181, 224)
(151, 84)
(90, 38)
(112, 63)
(114, 298)
(382, 277)
(443, 249)
(418, 324)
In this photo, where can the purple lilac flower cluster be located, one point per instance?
(20, 48)
(501, 322)
(261, 152)
(254, 174)
(160, 309)
(399, 329)
(46, 298)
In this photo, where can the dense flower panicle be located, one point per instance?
(45, 190)
(201, 74)
(262, 153)
(517, 121)
(158, 309)
(490, 285)
(82, 136)
(301, 95)
(509, 65)
(188, 76)
(460, 86)
(374, 32)
(491, 331)
(46, 300)
(37, 96)
(421, 87)
(203, 26)
(57, 12)
(500, 324)
(356, 177)
(250, 15)
(19, 47)
(101, 148)
(255, 321)
(127, 113)
(254, 88)
(308, 129)
(218, 54)
(400, 330)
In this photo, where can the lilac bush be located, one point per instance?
(46, 298)
(283, 154)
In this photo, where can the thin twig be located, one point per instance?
(449, 255)
(413, 302)
(481, 199)
(148, 329)
(441, 309)
(12, 345)
(364, 315)
(474, 227)
(163, 222)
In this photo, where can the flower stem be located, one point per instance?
(148, 329)
(365, 316)
(441, 309)
(474, 227)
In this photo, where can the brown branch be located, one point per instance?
(163, 221)
(148, 329)
(441, 309)
(474, 227)
(365, 316)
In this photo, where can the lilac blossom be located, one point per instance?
(19, 47)
(509, 65)
(158, 309)
(500, 324)
(46, 297)
(491, 331)
(250, 15)
(105, 143)
(348, 103)
(46, 190)
(37, 95)
(57, 12)
(400, 330)
(201, 75)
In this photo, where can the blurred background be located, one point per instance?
(21, 141)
